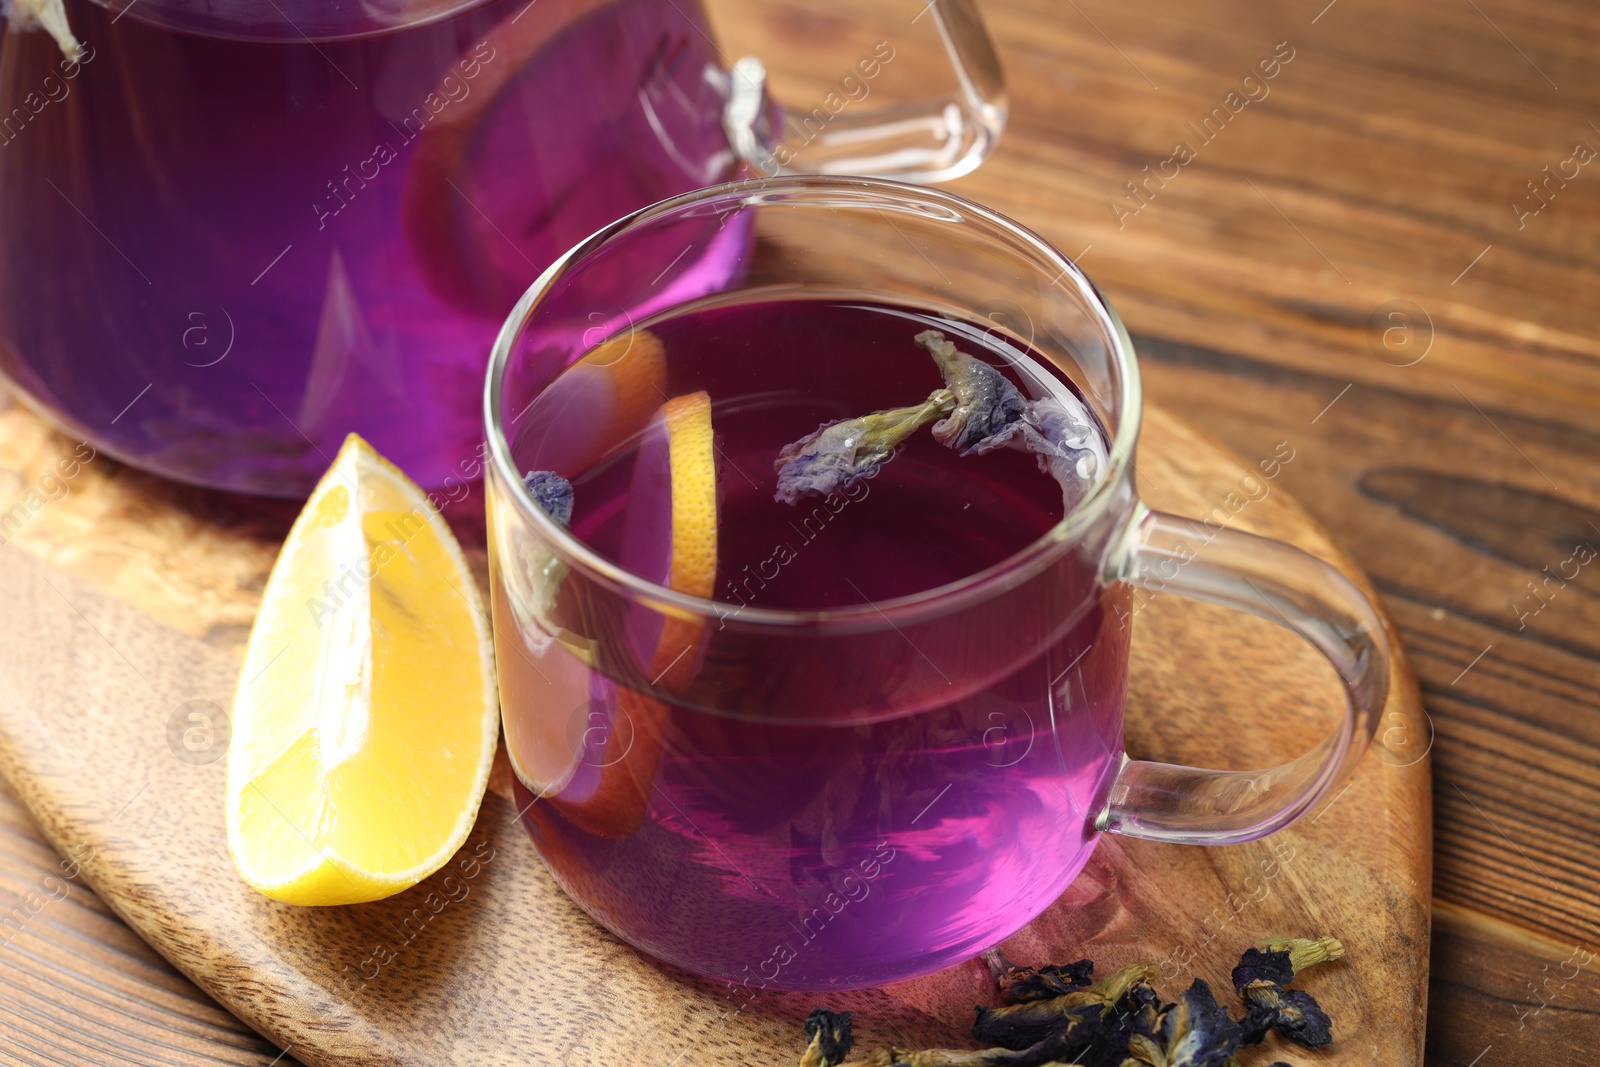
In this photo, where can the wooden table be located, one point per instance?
(1343, 265)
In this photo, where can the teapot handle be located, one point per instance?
(932, 140)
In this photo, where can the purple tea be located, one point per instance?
(810, 817)
(228, 244)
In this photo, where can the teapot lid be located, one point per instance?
(287, 20)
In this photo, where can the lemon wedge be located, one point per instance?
(365, 719)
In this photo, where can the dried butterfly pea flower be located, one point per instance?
(1067, 445)
(553, 494)
(979, 410)
(1280, 959)
(1260, 978)
(533, 585)
(830, 1038)
(838, 454)
(1019, 1026)
(1294, 1013)
(1024, 1025)
(991, 412)
(1194, 1032)
(988, 410)
(1021, 984)
(1090, 1035)
(1258, 966)
(1117, 1022)
(1018, 984)
(1305, 952)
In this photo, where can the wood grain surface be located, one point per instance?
(97, 665)
(1382, 167)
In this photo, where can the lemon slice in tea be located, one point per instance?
(600, 403)
(672, 539)
(365, 719)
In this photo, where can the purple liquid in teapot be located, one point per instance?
(222, 255)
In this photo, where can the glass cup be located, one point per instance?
(855, 796)
(237, 230)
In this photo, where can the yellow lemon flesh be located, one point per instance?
(365, 720)
(694, 495)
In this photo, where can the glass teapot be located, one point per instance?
(232, 231)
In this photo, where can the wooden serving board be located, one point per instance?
(127, 599)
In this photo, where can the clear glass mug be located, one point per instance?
(236, 230)
(862, 795)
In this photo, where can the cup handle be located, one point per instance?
(1282, 584)
(931, 140)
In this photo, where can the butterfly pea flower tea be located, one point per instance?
(809, 590)
(839, 839)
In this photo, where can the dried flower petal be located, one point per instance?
(1069, 447)
(1119, 1021)
(1257, 1023)
(1194, 1032)
(553, 494)
(533, 585)
(1022, 1025)
(988, 407)
(991, 412)
(1021, 984)
(1292, 1012)
(1118, 984)
(52, 17)
(840, 453)
(1260, 978)
(1258, 966)
(830, 1036)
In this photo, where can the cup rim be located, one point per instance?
(1010, 571)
